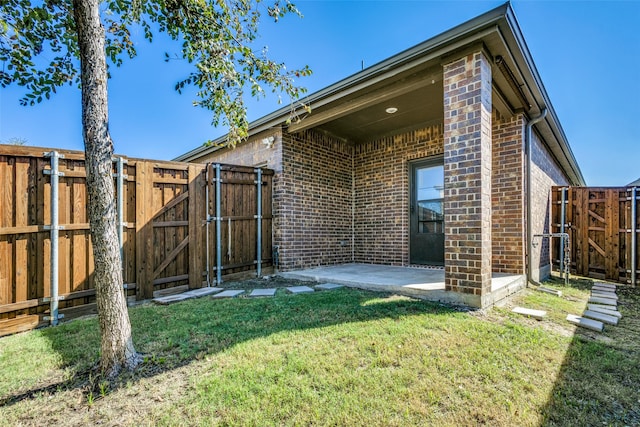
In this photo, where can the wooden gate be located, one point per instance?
(239, 220)
(163, 222)
(603, 226)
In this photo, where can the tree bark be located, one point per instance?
(117, 349)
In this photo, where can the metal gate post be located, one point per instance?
(634, 234)
(218, 232)
(120, 176)
(54, 228)
(562, 224)
(208, 219)
(259, 223)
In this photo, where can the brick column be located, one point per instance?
(467, 177)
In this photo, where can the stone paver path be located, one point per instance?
(602, 308)
(219, 293)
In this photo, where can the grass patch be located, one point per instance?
(344, 357)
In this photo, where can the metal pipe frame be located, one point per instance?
(562, 224)
(259, 223)
(218, 228)
(208, 219)
(54, 233)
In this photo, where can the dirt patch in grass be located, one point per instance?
(265, 282)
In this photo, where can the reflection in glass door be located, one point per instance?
(426, 240)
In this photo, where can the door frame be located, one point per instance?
(437, 160)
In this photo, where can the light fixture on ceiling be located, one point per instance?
(391, 110)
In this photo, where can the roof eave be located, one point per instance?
(279, 117)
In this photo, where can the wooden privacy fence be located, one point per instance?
(172, 238)
(603, 225)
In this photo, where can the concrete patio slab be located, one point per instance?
(423, 283)
(299, 289)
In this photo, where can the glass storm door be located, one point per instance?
(426, 222)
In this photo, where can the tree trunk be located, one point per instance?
(117, 349)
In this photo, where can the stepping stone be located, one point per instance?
(594, 325)
(604, 295)
(201, 292)
(536, 314)
(329, 286)
(550, 291)
(604, 318)
(603, 289)
(606, 309)
(605, 301)
(605, 285)
(231, 293)
(268, 292)
(299, 289)
(170, 299)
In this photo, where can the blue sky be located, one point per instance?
(587, 53)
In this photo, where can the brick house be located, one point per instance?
(421, 159)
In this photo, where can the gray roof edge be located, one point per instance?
(277, 117)
(552, 117)
(503, 12)
(635, 183)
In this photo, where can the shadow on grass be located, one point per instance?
(176, 335)
(598, 381)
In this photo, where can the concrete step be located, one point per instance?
(536, 314)
(583, 322)
(604, 318)
(605, 301)
(606, 309)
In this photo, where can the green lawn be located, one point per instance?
(344, 357)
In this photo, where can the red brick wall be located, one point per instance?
(382, 193)
(508, 233)
(467, 175)
(313, 201)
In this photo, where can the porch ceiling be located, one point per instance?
(420, 106)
